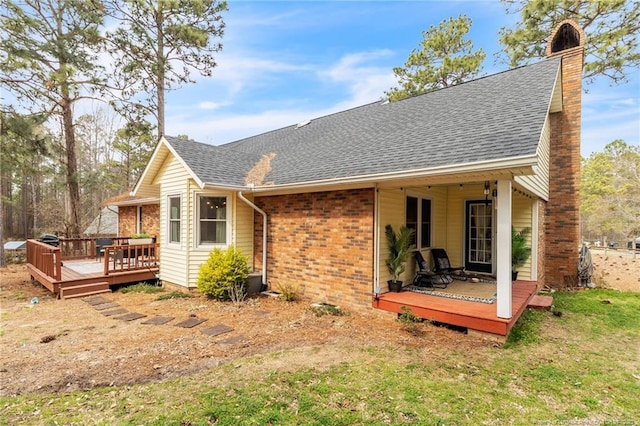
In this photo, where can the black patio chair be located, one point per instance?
(442, 265)
(425, 277)
(100, 244)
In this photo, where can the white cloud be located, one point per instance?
(209, 105)
(364, 83)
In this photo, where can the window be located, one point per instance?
(418, 218)
(174, 220)
(212, 220)
(140, 228)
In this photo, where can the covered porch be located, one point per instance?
(471, 217)
(77, 267)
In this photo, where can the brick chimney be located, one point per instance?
(562, 215)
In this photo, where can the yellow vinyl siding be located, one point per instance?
(392, 204)
(173, 181)
(521, 217)
(180, 264)
(456, 218)
(538, 183)
(391, 211)
(243, 228)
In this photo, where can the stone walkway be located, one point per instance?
(113, 310)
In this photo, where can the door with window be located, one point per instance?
(479, 236)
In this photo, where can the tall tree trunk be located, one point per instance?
(3, 261)
(7, 208)
(24, 198)
(72, 169)
(160, 74)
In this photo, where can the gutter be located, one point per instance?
(264, 235)
(517, 166)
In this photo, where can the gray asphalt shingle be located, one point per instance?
(495, 117)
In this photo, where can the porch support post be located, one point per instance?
(503, 267)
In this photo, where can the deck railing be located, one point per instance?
(118, 257)
(131, 257)
(82, 248)
(46, 258)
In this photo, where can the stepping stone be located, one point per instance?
(157, 320)
(541, 302)
(104, 306)
(114, 312)
(96, 300)
(191, 322)
(231, 341)
(130, 316)
(217, 329)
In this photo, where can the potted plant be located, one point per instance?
(520, 252)
(141, 238)
(400, 247)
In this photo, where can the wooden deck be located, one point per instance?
(82, 274)
(471, 315)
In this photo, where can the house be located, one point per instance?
(104, 224)
(136, 215)
(308, 203)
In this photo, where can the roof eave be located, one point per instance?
(516, 166)
(146, 180)
(136, 202)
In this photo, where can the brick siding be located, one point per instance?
(126, 220)
(322, 243)
(128, 216)
(562, 218)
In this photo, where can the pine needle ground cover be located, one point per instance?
(581, 364)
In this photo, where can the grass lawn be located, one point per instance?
(579, 366)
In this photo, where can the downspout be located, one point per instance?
(264, 235)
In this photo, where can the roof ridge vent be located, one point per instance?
(302, 124)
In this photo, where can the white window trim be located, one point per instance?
(421, 197)
(197, 195)
(168, 216)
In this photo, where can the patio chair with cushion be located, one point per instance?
(442, 265)
(425, 277)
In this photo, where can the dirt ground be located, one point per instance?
(63, 345)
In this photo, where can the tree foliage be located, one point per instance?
(157, 46)
(445, 58)
(611, 28)
(132, 148)
(610, 191)
(49, 62)
(22, 140)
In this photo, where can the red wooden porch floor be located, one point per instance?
(87, 271)
(472, 315)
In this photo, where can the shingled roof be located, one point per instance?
(497, 117)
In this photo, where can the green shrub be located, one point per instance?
(221, 271)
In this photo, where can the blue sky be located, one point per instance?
(285, 62)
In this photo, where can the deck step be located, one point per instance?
(84, 290)
(541, 302)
